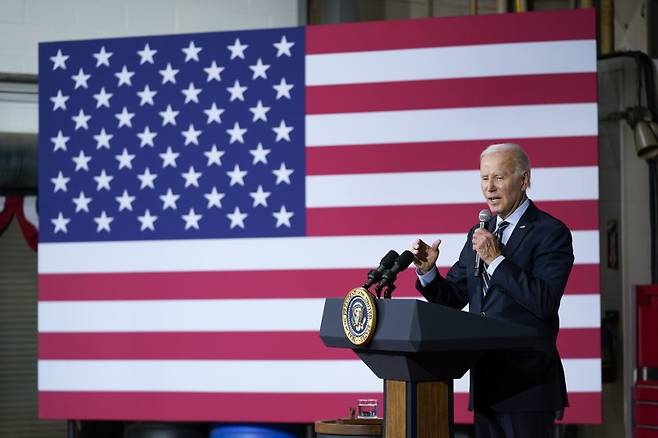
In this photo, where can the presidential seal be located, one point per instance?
(359, 316)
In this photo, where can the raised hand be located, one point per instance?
(425, 256)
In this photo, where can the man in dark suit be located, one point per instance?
(527, 256)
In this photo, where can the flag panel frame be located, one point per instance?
(328, 147)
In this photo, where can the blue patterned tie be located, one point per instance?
(486, 278)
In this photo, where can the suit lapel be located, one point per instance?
(521, 229)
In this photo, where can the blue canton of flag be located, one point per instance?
(173, 137)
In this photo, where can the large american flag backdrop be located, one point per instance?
(201, 195)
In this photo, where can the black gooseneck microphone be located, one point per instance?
(483, 217)
(389, 276)
(387, 262)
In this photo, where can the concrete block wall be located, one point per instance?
(25, 23)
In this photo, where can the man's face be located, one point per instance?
(502, 188)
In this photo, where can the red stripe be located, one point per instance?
(189, 346)
(449, 93)
(422, 219)
(584, 279)
(449, 155)
(11, 206)
(572, 343)
(584, 408)
(577, 215)
(580, 343)
(274, 408)
(243, 284)
(30, 231)
(452, 31)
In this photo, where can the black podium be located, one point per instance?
(418, 349)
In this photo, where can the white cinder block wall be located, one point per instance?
(25, 23)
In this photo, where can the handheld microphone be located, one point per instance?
(483, 217)
(386, 263)
(389, 276)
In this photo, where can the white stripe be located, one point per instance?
(582, 375)
(452, 62)
(207, 376)
(30, 210)
(586, 246)
(444, 187)
(249, 315)
(256, 253)
(580, 311)
(335, 376)
(492, 122)
(180, 315)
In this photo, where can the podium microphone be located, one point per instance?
(386, 263)
(483, 217)
(389, 276)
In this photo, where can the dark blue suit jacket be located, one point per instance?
(526, 288)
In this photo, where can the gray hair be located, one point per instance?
(521, 160)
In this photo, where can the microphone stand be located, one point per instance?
(389, 291)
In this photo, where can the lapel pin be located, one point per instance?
(522, 226)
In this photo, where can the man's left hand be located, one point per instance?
(486, 245)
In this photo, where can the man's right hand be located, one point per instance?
(425, 256)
